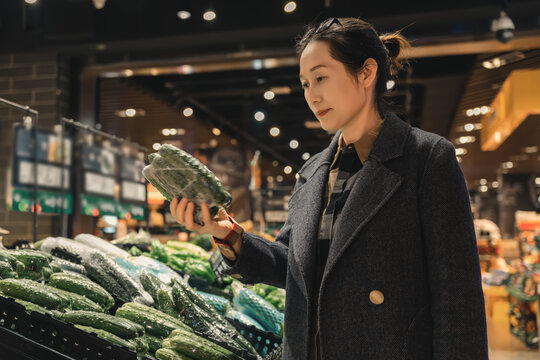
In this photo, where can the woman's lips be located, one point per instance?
(323, 112)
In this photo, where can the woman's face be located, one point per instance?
(330, 91)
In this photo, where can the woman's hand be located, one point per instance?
(219, 227)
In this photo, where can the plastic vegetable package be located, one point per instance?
(176, 173)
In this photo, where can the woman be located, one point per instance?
(378, 254)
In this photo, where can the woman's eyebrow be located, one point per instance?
(313, 69)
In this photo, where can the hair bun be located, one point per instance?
(393, 45)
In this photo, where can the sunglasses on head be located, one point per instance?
(327, 24)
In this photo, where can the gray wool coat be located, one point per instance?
(402, 280)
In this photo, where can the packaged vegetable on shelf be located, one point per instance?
(98, 243)
(176, 173)
(218, 302)
(256, 307)
(173, 246)
(243, 318)
(65, 248)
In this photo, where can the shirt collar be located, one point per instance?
(362, 146)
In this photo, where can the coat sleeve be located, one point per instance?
(261, 260)
(457, 307)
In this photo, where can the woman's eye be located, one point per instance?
(304, 85)
(319, 78)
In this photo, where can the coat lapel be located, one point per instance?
(307, 203)
(373, 187)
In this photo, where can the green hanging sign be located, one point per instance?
(98, 206)
(49, 202)
(131, 211)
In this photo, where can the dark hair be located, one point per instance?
(352, 41)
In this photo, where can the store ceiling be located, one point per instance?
(145, 35)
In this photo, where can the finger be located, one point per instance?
(188, 217)
(181, 210)
(207, 218)
(172, 207)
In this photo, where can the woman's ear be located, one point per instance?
(367, 75)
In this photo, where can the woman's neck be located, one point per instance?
(366, 120)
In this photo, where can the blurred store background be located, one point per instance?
(219, 79)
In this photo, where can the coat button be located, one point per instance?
(376, 297)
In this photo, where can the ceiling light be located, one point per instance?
(483, 188)
(505, 59)
(270, 179)
(259, 116)
(183, 14)
(289, 7)
(484, 110)
(483, 182)
(507, 165)
(477, 126)
(275, 163)
(128, 72)
(98, 4)
(495, 184)
(461, 151)
(154, 72)
(188, 112)
(32, 2)
(213, 143)
(166, 132)
(530, 149)
(293, 144)
(287, 169)
(173, 132)
(274, 131)
(181, 131)
(297, 176)
(537, 181)
(156, 146)
(390, 84)
(131, 112)
(476, 111)
(280, 90)
(468, 127)
(305, 156)
(269, 95)
(234, 141)
(469, 112)
(279, 178)
(185, 69)
(257, 64)
(216, 131)
(465, 139)
(209, 15)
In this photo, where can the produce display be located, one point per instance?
(139, 302)
(175, 173)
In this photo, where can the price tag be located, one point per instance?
(133, 191)
(98, 184)
(48, 175)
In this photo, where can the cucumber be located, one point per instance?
(31, 291)
(82, 286)
(141, 345)
(193, 316)
(154, 321)
(46, 272)
(112, 324)
(150, 283)
(32, 307)
(32, 259)
(68, 266)
(198, 347)
(211, 315)
(74, 301)
(12, 260)
(154, 343)
(5, 268)
(110, 337)
(107, 273)
(165, 303)
(170, 354)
